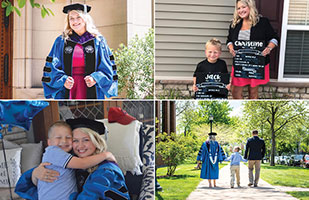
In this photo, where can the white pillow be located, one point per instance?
(31, 155)
(123, 141)
(13, 153)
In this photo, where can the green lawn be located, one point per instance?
(181, 184)
(285, 176)
(300, 195)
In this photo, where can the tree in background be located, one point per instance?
(21, 3)
(186, 116)
(190, 114)
(135, 64)
(304, 144)
(193, 120)
(275, 120)
(220, 111)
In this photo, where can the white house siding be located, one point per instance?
(182, 28)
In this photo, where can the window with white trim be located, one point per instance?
(294, 50)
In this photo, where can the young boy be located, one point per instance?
(57, 153)
(235, 166)
(212, 63)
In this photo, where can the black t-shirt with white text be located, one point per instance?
(207, 67)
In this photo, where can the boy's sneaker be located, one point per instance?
(238, 186)
(250, 184)
(232, 186)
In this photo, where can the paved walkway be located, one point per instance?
(224, 191)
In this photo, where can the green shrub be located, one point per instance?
(175, 149)
(135, 64)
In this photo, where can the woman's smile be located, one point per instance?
(82, 145)
(77, 23)
(243, 10)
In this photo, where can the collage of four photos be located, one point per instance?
(154, 99)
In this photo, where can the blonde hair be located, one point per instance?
(58, 124)
(90, 27)
(212, 138)
(237, 148)
(214, 42)
(97, 141)
(254, 16)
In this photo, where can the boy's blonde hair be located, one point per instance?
(97, 141)
(237, 148)
(58, 124)
(253, 16)
(90, 27)
(214, 42)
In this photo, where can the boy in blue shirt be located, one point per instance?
(58, 154)
(235, 165)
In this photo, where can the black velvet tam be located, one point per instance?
(87, 123)
(212, 133)
(76, 6)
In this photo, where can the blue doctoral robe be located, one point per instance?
(106, 182)
(210, 170)
(99, 63)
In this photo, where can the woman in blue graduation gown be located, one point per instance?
(80, 64)
(104, 181)
(210, 155)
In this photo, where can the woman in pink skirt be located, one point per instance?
(248, 25)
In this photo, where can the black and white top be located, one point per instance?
(262, 31)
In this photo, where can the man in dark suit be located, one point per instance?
(256, 148)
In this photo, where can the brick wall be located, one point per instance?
(182, 89)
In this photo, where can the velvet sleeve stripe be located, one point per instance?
(200, 152)
(115, 196)
(115, 77)
(222, 151)
(123, 189)
(111, 57)
(46, 79)
(49, 59)
(47, 69)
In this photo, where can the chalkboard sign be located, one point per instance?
(212, 85)
(249, 61)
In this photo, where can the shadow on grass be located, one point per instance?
(159, 196)
(183, 176)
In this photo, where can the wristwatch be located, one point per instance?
(269, 48)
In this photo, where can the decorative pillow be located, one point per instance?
(31, 155)
(123, 141)
(13, 152)
(147, 188)
(148, 184)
